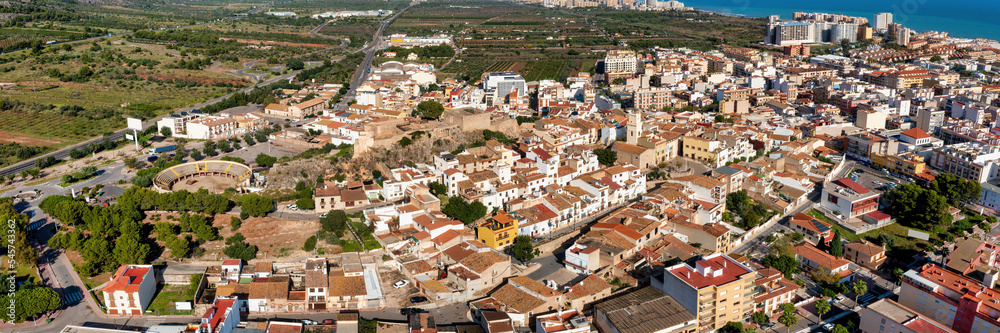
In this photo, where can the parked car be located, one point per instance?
(828, 327)
(400, 284)
(838, 299)
(309, 322)
(329, 322)
(768, 326)
(418, 299)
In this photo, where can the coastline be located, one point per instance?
(940, 24)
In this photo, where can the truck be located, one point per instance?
(158, 150)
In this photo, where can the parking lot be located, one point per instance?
(875, 180)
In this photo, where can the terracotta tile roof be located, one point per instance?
(811, 253)
(589, 286)
(346, 286)
(128, 278)
(628, 148)
(533, 285)
(516, 299)
(479, 262)
(315, 279)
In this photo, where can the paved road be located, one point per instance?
(370, 50)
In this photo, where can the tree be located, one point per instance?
(522, 249)
(235, 223)
(196, 155)
(859, 288)
(256, 205)
(30, 301)
(956, 190)
(783, 263)
(85, 72)
(209, 149)
(618, 81)
(129, 249)
(265, 160)
(305, 203)
(822, 308)
(131, 162)
(606, 157)
(430, 109)
(836, 246)
(920, 208)
(839, 329)
(437, 188)
(334, 221)
(179, 246)
(735, 327)
(224, 146)
(310, 244)
(238, 249)
(295, 64)
(788, 318)
(759, 318)
(936, 58)
(463, 211)
(165, 131)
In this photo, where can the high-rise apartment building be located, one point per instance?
(718, 289)
(881, 22)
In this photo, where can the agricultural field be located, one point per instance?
(537, 42)
(310, 7)
(694, 29)
(76, 91)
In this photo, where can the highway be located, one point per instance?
(370, 50)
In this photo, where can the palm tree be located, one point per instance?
(822, 308)
(788, 319)
(859, 287)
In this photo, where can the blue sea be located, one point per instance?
(960, 18)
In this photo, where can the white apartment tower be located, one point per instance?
(881, 21)
(621, 62)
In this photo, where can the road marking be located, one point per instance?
(73, 298)
(36, 225)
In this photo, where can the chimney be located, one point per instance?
(688, 273)
(724, 262)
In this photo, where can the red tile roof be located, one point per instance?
(127, 278)
(730, 272)
(916, 133)
(847, 182)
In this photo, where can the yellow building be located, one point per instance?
(499, 231)
(907, 163)
(666, 145)
(702, 149)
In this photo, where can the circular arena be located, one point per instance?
(214, 176)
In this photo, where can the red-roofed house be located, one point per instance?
(848, 198)
(717, 280)
(130, 290)
(224, 315)
(915, 136)
(814, 259)
(812, 229)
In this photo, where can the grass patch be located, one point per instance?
(845, 233)
(163, 302)
(350, 245)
